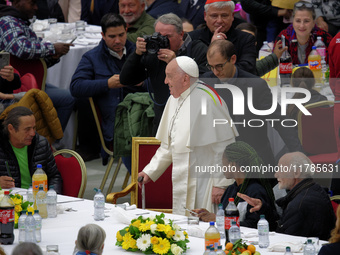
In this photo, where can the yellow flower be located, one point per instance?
(170, 234)
(161, 228)
(136, 223)
(167, 229)
(154, 240)
(162, 247)
(185, 234)
(30, 209)
(16, 217)
(17, 200)
(119, 237)
(18, 208)
(128, 242)
(145, 226)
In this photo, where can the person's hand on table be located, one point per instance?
(62, 48)
(140, 46)
(6, 182)
(278, 50)
(166, 55)
(255, 202)
(205, 215)
(4, 96)
(217, 194)
(321, 23)
(146, 179)
(7, 73)
(218, 35)
(114, 83)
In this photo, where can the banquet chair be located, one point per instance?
(158, 195)
(36, 67)
(96, 115)
(73, 172)
(28, 82)
(316, 134)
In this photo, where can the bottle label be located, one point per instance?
(212, 242)
(314, 65)
(286, 67)
(227, 222)
(6, 216)
(37, 184)
(321, 52)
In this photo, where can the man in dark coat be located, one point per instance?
(21, 149)
(157, 8)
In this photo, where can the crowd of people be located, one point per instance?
(175, 53)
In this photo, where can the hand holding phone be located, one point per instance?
(4, 59)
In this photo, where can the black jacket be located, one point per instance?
(49, 9)
(7, 87)
(160, 7)
(244, 45)
(262, 100)
(307, 211)
(39, 152)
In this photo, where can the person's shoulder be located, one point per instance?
(332, 248)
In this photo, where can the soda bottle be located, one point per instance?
(39, 178)
(285, 65)
(234, 232)
(231, 213)
(212, 236)
(265, 50)
(21, 226)
(220, 220)
(6, 219)
(30, 228)
(51, 200)
(41, 203)
(309, 248)
(288, 252)
(320, 47)
(99, 205)
(263, 231)
(38, 225)
(314, 64)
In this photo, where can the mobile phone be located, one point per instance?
(73, 39)
(4, 59)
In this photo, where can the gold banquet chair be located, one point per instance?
(73, 172)
(143, 149)
(96, 113)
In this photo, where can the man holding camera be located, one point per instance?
(152, 55)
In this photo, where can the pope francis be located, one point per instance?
(192, 138)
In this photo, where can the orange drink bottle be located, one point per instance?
(212, 236)
(39, 179)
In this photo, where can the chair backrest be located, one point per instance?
(28, 82)
(316, 131)
(158, 195)
(73, 172)
(37, 67)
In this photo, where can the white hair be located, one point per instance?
(302, 164)
(220, 5)
(91, 237)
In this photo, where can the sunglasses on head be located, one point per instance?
(303, 4)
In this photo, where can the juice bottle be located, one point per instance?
(39, 178)
(314, 64)
(212, 236)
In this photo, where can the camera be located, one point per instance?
(155, 42)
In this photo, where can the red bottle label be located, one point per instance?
(6, 216)
(286, 67)
(227, 221)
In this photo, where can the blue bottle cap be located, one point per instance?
(212, 223)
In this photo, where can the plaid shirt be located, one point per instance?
(20, 40)
(292, 43)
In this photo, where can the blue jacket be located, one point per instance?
(90, 80)
(160, 7)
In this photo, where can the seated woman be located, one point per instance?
(239, 155)
(334, 242)
(9, 81)
(302, 34)
(90, 240)
(303, 77)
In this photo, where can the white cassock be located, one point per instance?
(192, 144)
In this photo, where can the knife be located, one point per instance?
(140, 179)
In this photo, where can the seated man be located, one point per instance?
(307, 209)
(21, 149)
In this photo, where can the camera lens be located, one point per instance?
(152, 47)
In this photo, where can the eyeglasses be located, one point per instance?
(303, 4)
(218, 67)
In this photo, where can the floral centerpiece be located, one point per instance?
(153, 235)
(20, 205)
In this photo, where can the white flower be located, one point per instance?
(166, 221)
(152, 217)
(179, 236)
(176, 250)
(153, 228)
(144, 242)
(176, 227)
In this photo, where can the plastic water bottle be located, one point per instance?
(6, 219)
(41, 203)
(220, 251)
(30, 197)
(212, 236)
(21, 226)
(234, 232)
(51, 201)
(220, 220)
(324, 70)
(288, 252)
(314, 64)
(265, 50)
(207, 250)
(320, 47)
(212, 251)
(309, 248)
(263, 231)
(231, 214)
(38, 225)
(99, 205)
(30, 228)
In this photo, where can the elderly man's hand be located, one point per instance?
(218, 35)
(166, 55)
(7, 73)
(62, 48)
(278, 50)
(114, 83)
(205, 215)
(6, 182)
(255, 202)
(146, 179)
(321, 23)
(217, 194)
(140, 46)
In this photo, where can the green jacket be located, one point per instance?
(143, 26)
(134, 117)
(266, 64)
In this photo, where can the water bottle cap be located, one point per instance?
(212, 223)
(6, 192)
(212, 248)
(219, 247)
(36, 211)
(309, 240)
(220, 205)
(231, 199)
(29, 213)
(288, 248)
(319, 37)
(262, 216)
(265, 42)
(41, 188)
(314, 48)
(51, 187)
(233, 222)
(39, 166)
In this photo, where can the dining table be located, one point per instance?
(73, 213)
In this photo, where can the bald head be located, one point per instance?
(223, 47)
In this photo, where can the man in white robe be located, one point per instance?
(189, 138)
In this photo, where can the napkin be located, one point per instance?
(94, 29)
(122, 216)
(92, 35)
(254, 234)
(281, 247)
(196, 231)
(86, 41)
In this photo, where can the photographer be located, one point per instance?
(147, 62)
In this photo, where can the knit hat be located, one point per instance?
(214, 1)
(188, 65)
